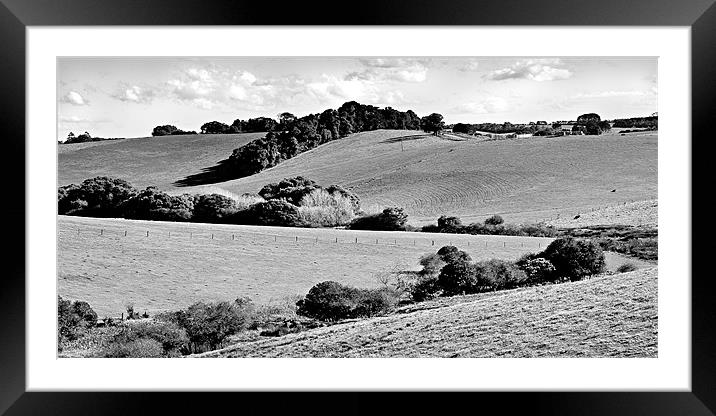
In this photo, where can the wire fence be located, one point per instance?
(222, 236)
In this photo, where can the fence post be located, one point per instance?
(212, 236)
(274, 238)
(190, 235)
(297, 239)
(147, 233)
(125, 233)
(170, 234)
(376, 241)
(336, 240)
(232, 236)
(356, 240)
(433, 243)
(504, 244)
(101, 231)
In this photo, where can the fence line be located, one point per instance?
(439, 240)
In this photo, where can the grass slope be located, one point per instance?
(609, 316)
(145, 161)
(523, 179)
(180, 263)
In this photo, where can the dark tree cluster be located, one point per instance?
(651, 123)
(110, 197)
(332, 301)
(296, 135)
(391, 219)
(492, 226)
(451, 271)
(497, 128)
(169, 130)
(591, 124)
(84, 138)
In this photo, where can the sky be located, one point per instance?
(128, 97)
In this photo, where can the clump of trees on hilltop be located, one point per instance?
(84, 138)
(591, 124)
(292, 135)
(650, 123)
(169, 130)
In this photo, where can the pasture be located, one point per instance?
(524, 180)
(607, 316)
(146, 161)
(180, 263)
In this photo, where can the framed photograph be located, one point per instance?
(418, 200)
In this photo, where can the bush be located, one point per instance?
(498, 275)
(494, 220)
(458, 277)
(538, 270)
(320, 208)
(627, 267)
(152, 204)
(574, 259)
(139, 348)
(332, 301)
(432, 264)
(100, 197)
(391, 219)
(172, 339)
(427, 287)
(73, 318)
(214, 208)
(274, 212)
(451, 254)
(208, 324)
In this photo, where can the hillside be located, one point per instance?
(608, 316)
(159, 161)
(178, 264)
(524, 180)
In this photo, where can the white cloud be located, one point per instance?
(73, 119)
(74, 98)
(391, 69)
(487, 106)
(134, 93)
(539, 70)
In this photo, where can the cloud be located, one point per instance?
(539, 70)
(74, 98)
(134, 94)
(390, 69)
(73, 119)
(489, 105)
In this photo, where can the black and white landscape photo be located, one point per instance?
(358, 207)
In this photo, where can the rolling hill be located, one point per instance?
(147, 161)
(524, 180)
(606, 316)
(167, 265)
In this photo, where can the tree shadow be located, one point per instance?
(221, 172)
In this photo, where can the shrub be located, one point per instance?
(289, 189)
(449, 224)
(101, 197)
(432, 264)
(494, 220)
(214, 208)
(538, 270)
(172, 339)
(73, 318)
(208, 324)
(451, 254)
(153, 204)
(458, 277)
(139, 348)
(332, 301)
(498, 275)
(574, 259)
(391, 219)
(627, 267)
(427, 287)
(320, 208)
(274, 212)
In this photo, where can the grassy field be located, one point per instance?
(158, 161)
(606, 316)
(524, 180)
(180, 263)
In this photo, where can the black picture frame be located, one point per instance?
(16, 15)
